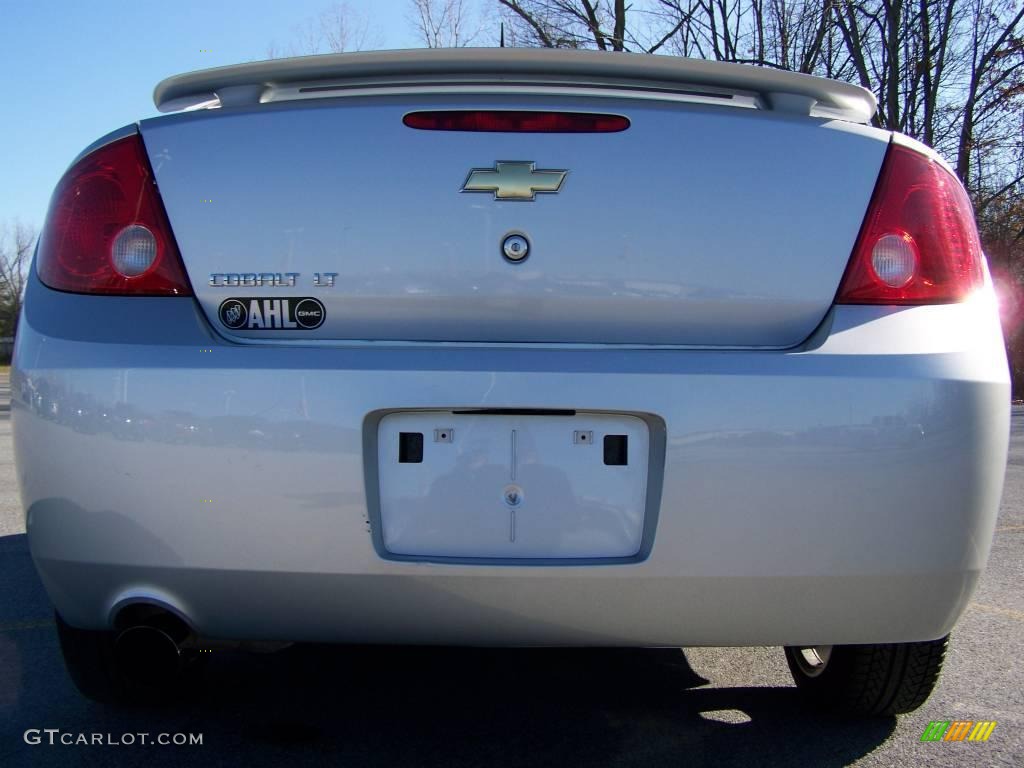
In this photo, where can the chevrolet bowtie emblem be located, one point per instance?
(513, 180)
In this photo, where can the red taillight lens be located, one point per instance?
(106, 230)
(918, 243)
(516, 122)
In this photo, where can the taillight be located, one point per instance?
(918, 243)
(106, 230)
(511, 121)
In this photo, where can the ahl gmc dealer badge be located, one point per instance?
(292, 314)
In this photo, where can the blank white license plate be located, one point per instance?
(512, 486)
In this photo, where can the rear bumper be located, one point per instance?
(844, 492)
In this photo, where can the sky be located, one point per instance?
(73, 71)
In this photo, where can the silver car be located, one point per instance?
(510, 348)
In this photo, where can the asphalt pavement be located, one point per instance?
(460, 707)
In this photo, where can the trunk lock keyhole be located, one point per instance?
(516, 248)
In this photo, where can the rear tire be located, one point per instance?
(872, 680)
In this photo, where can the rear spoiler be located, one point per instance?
(493, 69)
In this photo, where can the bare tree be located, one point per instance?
(601, 24)
(338, 28)
(16, 250)
(950, 72)
(346, 30)
(445, 23)
(996, 85)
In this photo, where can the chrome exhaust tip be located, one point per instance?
(148, 656)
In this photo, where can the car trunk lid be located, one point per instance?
(700, 224)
